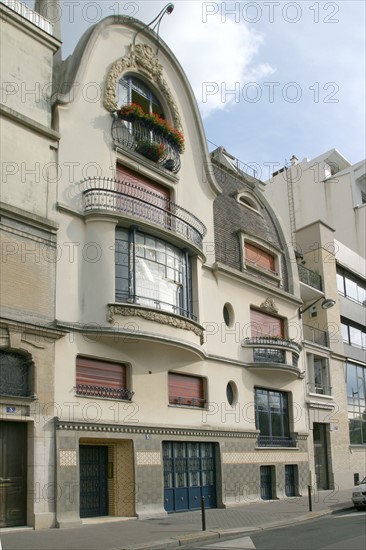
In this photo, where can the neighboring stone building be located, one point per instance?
(162, 335)
(28, 253)
(322, 203)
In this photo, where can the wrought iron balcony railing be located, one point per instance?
(122, 196)
(272, 342)
(315, 335)
(132, 134)
(321, 389)
(27, 13)
(275, 441)
(188, 401)
(154, 303)
(309, 277)
(268, 355)
(103, 391)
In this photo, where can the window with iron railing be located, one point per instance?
(319, 376)
(272, 418)
(99, 378)
(186, 390)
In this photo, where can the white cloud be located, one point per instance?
(218, 56)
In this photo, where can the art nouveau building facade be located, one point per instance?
(173, 360)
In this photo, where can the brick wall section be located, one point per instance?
(230, 217)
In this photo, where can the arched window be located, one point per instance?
(15, 374)
(133, 90)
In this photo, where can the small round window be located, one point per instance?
(231, 393)
(228, 315)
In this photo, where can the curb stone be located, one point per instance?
(226, 534)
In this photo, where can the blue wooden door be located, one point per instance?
(189, 474)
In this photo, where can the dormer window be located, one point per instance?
(259, 257)
(248, 201)
(140, 125)
(133, 90)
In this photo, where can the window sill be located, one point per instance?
(194, 407)
(21, 398)
(275, 448)
(322, 395)
(248, 266)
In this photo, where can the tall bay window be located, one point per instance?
(356, 398)
(272, 418)
(152, 273)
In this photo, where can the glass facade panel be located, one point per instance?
(351, 286)
(356, 392)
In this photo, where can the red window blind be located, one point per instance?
(259, 257)
(263, 324)
(142, 188)
(186, 390)
(96, 372)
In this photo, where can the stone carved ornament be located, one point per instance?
(141, 58)
(157, 317)
(269, 305)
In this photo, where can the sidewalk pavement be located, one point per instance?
(177, 529)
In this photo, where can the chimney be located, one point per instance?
(294, 160)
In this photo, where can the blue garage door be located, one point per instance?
(189, 474)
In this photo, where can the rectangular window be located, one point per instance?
(351, 286)
(259, 257)
(352, 334)
(186, 390)
(356, 398)
(318, 374)
(100, 378)
(272, 418)
(263, 324)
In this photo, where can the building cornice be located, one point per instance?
(24, 216)
(23, 120)
(151, 430)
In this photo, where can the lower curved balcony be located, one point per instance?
(126, 198)
(272, 353)
(169, 325)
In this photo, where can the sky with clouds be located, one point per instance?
(272, 79)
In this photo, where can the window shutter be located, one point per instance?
(142, 188)
(259, 257)
(100, 373)
(186, 390)
(263, 324)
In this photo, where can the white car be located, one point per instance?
(359, 495)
